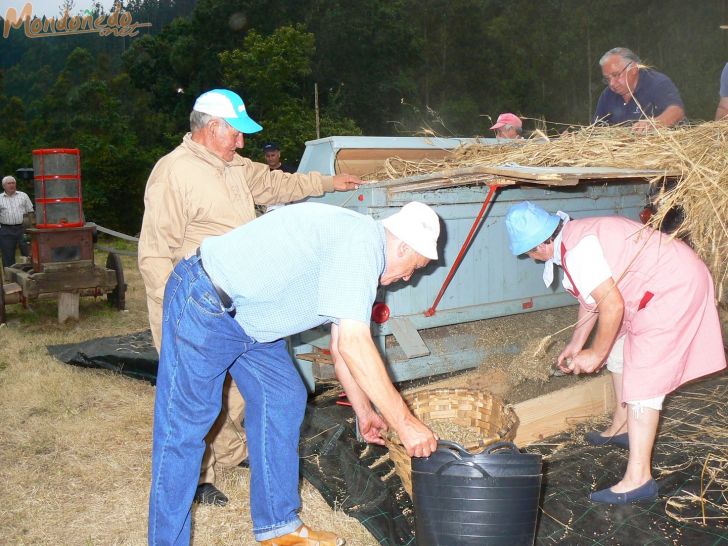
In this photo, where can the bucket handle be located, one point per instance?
(501, 445)
(460, 462)
(458, 450)
(455, 449)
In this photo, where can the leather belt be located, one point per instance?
(226, 301)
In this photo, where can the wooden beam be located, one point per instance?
(322, 364)
(67, 306)
(517, 174)
(440, 183)
(557, 411)
(408, 337)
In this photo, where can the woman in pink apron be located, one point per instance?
(653, 304)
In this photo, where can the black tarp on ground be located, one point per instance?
(355, 477)
(690, 462)
(692, 443)
(133, 355)
(694, 430)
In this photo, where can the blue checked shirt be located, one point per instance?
(298, 267)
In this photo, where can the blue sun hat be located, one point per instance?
(226, 104)
(528, 226)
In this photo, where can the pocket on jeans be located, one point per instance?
(209, 303)
(170, 290)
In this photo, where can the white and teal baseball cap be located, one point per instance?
(226, 104)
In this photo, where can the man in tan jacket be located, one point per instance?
(203, 188)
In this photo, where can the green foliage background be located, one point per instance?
(382, 67)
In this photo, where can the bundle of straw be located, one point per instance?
(698, 152)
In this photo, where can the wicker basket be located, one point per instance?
(476, 410)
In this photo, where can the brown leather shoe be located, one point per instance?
(303, 536)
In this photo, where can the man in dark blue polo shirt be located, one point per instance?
(635, 93)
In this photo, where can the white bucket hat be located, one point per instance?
(417, 225)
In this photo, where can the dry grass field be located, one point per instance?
(75, 444)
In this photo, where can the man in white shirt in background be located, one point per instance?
(14, 205)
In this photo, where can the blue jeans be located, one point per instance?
(200, 343)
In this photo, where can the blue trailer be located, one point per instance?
(488, 281)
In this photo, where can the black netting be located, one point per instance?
(354, 477)
(690, 465)
(692, 442)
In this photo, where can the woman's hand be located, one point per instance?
(586, 361)
(566, 356)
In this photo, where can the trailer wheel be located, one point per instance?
(117, 297)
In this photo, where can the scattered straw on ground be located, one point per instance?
(695, 426)
(692, 441)
(527, 362)
(699, 153)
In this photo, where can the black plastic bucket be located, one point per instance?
(484, 499)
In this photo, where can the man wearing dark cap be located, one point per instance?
(273, 158)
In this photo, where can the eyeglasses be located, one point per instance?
(608, 79)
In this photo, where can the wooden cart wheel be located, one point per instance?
(117, 297)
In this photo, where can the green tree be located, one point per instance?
(270, 73)
(367, 56)
(82, 111)
(14, 146)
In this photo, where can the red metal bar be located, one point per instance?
(69, 151)
(463, 250)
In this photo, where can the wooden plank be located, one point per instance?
(11, 288)
(514, 174)
(322, 364)
(67, 306)
(382, 154)
(437, 184)
(463, 173)
(582, 173)
(318, 357)
(408, 337)
(65, 279)
(554, 412)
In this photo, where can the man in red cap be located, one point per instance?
(508, 126)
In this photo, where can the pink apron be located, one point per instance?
(670, 323)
